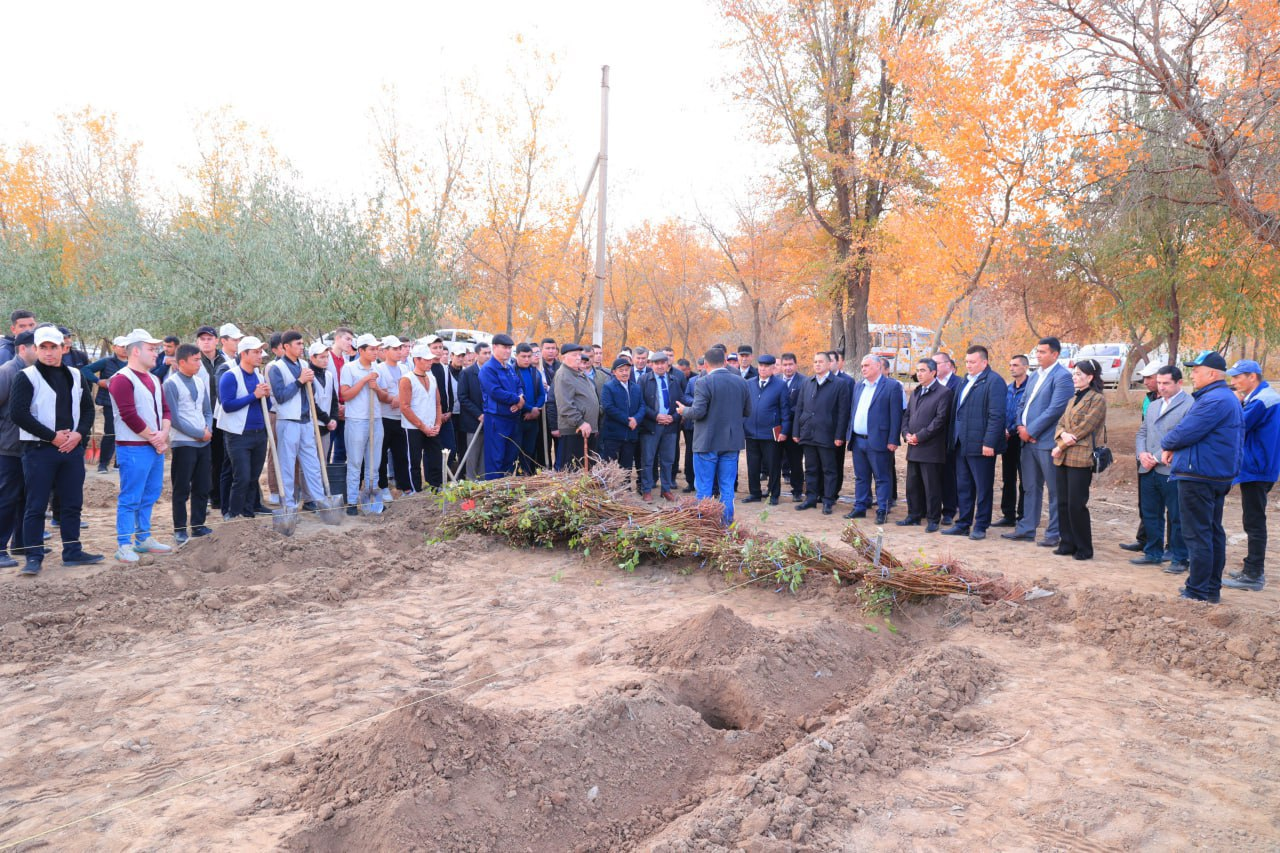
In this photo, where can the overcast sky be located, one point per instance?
(309, 74)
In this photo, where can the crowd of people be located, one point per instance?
(394, 417)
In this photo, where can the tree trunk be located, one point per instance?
(857, 339)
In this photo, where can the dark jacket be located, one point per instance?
(720, 403)
(103, 368)
(884, 417)
(619, 403)
(1207, 442)
(928, 414)
(470, 400)
(980, 416)
(822, 412)
(1013, 402)
(649, 390)
(770, 407)
(8, 349)
(793, 394)
(535, 394)
(687, 399)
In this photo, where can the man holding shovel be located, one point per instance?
(245, 427)
(142, 435)
(289, 376)
(363, 426)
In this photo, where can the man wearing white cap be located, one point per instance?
(420, 420)
(51, 406)
(186, 393)
(142, 421)
(393, 442)
(326, 394)
(229, 336)
(98, 374)
(359, 387)
(295, 440)
(246, 429)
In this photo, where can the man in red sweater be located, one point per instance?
(142, 434)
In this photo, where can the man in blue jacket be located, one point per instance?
(977, 438)
(875, 427)
(1046, 398)
(503, 402)
(660, 428)
(1203, 452)
(1259, 467)
(766, 429)
(535, 399)
(621, 411)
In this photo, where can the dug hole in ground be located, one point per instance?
(366, 687)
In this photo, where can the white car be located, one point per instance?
(1110, 358)
(465, 336)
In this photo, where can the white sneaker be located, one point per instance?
(150, 545)
(386, 496)
(272, 499)
(125, 554)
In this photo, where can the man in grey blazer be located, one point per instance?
(720, 403)
(1159, 492)
(1043, 403)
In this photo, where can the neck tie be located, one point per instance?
(763, 382)
(666, 401)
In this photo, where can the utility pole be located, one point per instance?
(597, 336)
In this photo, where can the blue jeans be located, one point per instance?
(141, 481)
(1200, 508)
(297, 444)
(357, 441)
(659, 445)
(1159, 495)
(716, 469)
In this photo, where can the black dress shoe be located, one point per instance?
(1132, 546)
(908, 522)
(352, 511)
(1048, 543)
(1005, 522)
(31, 568)
(1017, 537)
(978, 534)
(688, 490)
(752, 499)
(946, 520)
(200, 530)
(1145, 561)
(7, 562)
(773, 501)
(1081, 555)
(806, 505)
(81, 558)
(1246, 582)
(826, 509)
(1211, 600)
(881, 517)
(1061, 552)
(955, 530)
(1177, 567)
(857, 513)
(932, 527)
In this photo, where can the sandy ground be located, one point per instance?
(368, 687)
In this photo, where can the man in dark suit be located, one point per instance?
(977, 439)
(947, 376)
(819, 424)
(686, 426)
(471, 417)
(766, 430)
(792, 453)
(621, 411)
(548, 363)
(745, 368)
(660, 428)
(720, 403)
(838, 374)
(875, 427)
(926, 431)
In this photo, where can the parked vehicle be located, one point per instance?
(901, 345)
(1064, 357)
(1111, 357)
(465, 336)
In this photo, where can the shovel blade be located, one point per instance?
(331, 511)
(284, 521)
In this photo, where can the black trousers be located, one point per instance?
(924, 490)
(422, 451)
(570, 449)
(108, 448)
(840, 454)
(794, 455)
(1141, 536)
(395, 448)
(950, 494)
(1074, 526)
(47, 469)
(191, 472)
(764, 456)
(1012, 494)
(617, 450)
(688, 458)
(227, 474)
(13, 504)
(246, 454)
(217, 457)
(821, 472)
(1253, 507)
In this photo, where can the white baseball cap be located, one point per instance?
(140, 336)
(316, 348)
(249, 343)
(1151, 369)
(118, 340)
(391, 341)
(430, 339)
(366, 341)
(48, 335)
(422, 351)
(230, 330)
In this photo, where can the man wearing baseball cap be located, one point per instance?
(326, 395)
(1203, 452)
(13, 489)
(98, 375)
(289, 376)
(1149, 381)
(211, 358)
(395, 448)
(53, 411)
(1259, 467)
(363, 428)
(142, 420)
(420, 421)
(245, 427)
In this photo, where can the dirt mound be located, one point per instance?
(1220, 644)
(716, 636)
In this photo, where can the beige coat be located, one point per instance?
(1085, 418)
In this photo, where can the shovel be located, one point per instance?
(476, 440)
(330, 506)
(370, 500)
(284, 520)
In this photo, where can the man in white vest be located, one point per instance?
(239, 392)
(53, 410)
(142, 436)
(295, 440)
(359, 393)
(186, 393)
